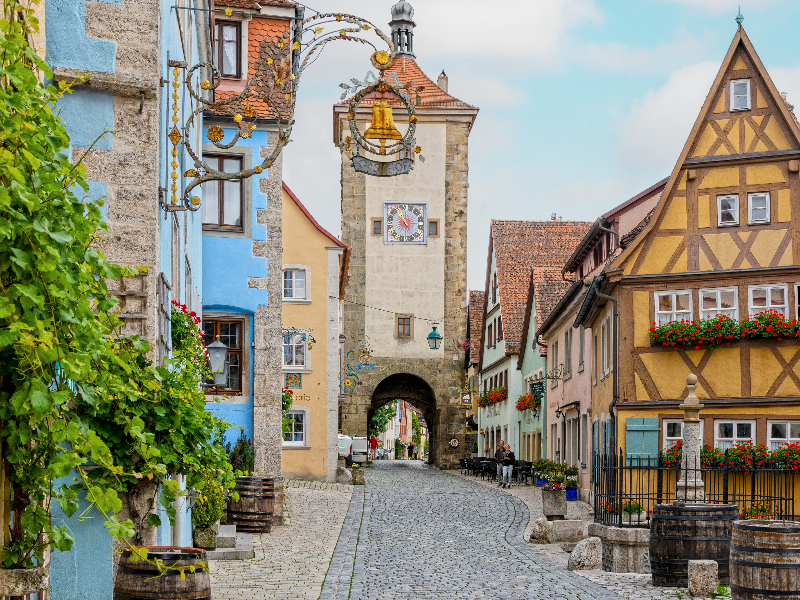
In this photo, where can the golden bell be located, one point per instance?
(382, 127)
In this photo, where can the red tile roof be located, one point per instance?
(299, 204)
(520, 246)
(432, 96)
(475, 324)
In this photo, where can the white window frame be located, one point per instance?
(707, 312)
(768, 287)
(603, 334)
(668, 440)
(305, 443)
(554, 365)
(567, 353)
(610, 343)
(581, 351)
(306, 355)
(733, 96)
(306, 299)
(735, 439)
(594, 358)
(788, 439)
(673, 313)
(722, 197)
(797, 301)
(750, 219)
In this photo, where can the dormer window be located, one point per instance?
(740, 94)
(227, 48)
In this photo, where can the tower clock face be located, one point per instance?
(405, 223)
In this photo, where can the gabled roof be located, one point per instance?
(344, 262)
(519, 246)
(739, 39)
(475, 324)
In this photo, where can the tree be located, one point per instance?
(416, 428)
(380, 420)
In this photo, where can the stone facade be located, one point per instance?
(428, 384)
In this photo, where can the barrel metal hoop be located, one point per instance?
(655, 517)
(680, 537)
(748, 563)
(765, 530)
(740, 588)
(739, 548)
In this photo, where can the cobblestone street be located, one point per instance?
(408, 534)
(416, 533)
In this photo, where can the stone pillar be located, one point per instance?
(690, 485)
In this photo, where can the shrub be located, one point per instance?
(758, 510)
(708, 332)
(209, 506)
(242, 455)
(571, 483)
(769, 324)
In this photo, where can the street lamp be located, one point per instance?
(434, 339)
(217, 352)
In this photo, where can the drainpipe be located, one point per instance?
(612, 232)
(611, 408)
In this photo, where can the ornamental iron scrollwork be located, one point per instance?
(271, 93)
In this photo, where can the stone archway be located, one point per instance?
(415, 391)
(429, 389)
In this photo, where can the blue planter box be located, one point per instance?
(540, 481)
(572, 493)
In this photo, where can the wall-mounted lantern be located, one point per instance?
(434, 339)
(217, 353)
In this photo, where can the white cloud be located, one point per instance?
(652, 136)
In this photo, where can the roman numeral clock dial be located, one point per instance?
(405, 223)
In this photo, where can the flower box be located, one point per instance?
(529, 402)
(769, 324)
(554, 504)
(541, 481)
(499, 394)
(703, 333)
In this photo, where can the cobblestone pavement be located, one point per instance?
(414, 533)
(636, 586)
(290, 562)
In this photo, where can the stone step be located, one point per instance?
(242, 551)
(226, 538)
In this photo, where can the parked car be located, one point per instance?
(346, 446)
(359, 447)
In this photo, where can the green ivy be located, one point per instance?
(72, 388)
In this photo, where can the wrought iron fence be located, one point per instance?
(626, 489)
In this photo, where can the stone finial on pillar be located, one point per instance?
(690, 485)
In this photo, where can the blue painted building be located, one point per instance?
(118, 54)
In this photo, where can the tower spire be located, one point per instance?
(739, 17)
(402, 25)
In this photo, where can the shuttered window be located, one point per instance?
(641, 441)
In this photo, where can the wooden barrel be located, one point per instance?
(140, 580)
(765, 560)
(679, 532)
(253, 512)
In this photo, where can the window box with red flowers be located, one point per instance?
(499, 394)
(703, 333)
(529, 402)
(769, 324)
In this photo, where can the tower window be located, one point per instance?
(740, 94)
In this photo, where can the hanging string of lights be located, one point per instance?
(391, 312)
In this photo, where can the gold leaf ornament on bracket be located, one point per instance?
(205, 84)
(228, 11)
(381, 60)
(215, 133)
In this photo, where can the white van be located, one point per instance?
(360, 447)
(345, 445)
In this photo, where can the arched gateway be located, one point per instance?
(408, 266)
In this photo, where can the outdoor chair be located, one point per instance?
(463, 464)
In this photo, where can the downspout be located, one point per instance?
(612, 407)
(612, 232)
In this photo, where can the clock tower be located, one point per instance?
(408, 267)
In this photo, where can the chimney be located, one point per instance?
(553, 217)
(442, 81)
(783, 95)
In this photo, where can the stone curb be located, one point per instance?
(341, 568)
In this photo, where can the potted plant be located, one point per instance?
(633, 513)
(554, 501)
(475, 450)
(542, 467)
(206, 513)
(358, 474)
(571, 482)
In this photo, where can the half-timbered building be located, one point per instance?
(723, 240)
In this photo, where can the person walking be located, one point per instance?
(373, 446)
(498, 456)
(508, 466)
(410, 451)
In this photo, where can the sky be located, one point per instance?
(583, 103)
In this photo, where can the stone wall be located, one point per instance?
(267, 382)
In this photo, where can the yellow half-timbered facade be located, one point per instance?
(723, 240)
